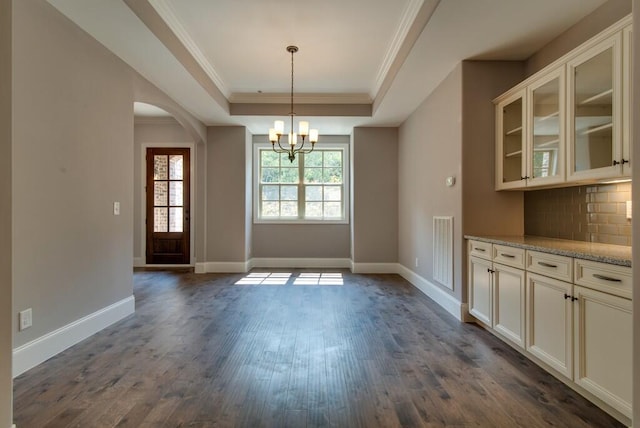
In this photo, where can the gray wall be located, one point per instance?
(226, 188)
(636, 219)
(72, 143)
(375, 198)
(430, 149)
(161, 133)
(601, 18)
(301, 240)
(6, 314)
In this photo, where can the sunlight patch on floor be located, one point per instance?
(281, 278)
(319, 279)
(265, 278)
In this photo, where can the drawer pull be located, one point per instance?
(549, 265)
(606, 278)
(511, 256)
(480, 249)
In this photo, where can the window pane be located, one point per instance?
(175, 167)
(175, 219)
(313, 175)
(160, 166)
(160, 193)
(176, 196)
(289, 209)
(332, 193)
(289, 193)
(270, 175)
(313, 210)
(313, 193)
(270, 209)
(332, 210)
(289, 175)
(270, 158)
(270, 193)
(333, 175)
(313, 159)
(333, 159)
(160, 219)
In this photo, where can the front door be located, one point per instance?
(168, 206)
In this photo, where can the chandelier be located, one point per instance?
(303, 128)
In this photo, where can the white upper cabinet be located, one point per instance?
(511, 144)
(595, 111)
(570, 122)
(545, 133)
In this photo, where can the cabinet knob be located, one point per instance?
(615, 162)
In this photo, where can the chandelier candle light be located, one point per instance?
(303, 127)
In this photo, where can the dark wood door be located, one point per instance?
(168, 220)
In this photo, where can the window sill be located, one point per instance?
(305, 222)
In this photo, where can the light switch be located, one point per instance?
(116, 208)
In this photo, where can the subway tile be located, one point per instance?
(609, 229)
(617, 219)
(601, 197)
(619, 196)
(607, 208)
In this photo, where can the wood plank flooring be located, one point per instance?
(201, 351)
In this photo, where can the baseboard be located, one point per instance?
(138, 262)
(41, 349)
(223, 267)
(300, 263)
(441, 297)
(374, 267)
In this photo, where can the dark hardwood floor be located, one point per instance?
(201, 351)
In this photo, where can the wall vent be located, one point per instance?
(443, 250)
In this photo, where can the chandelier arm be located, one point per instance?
(283, 150)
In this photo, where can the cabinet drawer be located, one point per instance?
(605, 277)
(509, 256)
(558, 267)
(480, 249)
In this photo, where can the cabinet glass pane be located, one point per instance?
(546, 129)
(512, 141)
(593, 100)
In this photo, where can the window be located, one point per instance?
(312, 188)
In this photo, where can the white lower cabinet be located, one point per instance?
(581, 329)
(480, 295)
(603, 346)
(550, 322)
(508, 303)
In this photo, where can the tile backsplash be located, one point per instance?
(594, 213)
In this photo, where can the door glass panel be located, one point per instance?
(512, 141)
(546, 129)
(175, 194)
(160, 193)
(160, 165)
(160, 219)
(175, 167)
(593, 101)
(175, 219)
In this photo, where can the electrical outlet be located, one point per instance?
(116, 208)
(416, 262)
(26, 319)
(629, 210)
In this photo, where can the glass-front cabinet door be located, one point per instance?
(510, 156)
(595, 143)
(545, 160)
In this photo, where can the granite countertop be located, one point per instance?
(606, 253)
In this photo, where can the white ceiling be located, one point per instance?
(388, 53)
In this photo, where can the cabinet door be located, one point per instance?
(595, 138)
(510, 147)
(603, 347)
(627, 90)
(545, 133)
(549, 322)
(480, 289)
(508, 303)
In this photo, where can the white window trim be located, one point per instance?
(346, 177)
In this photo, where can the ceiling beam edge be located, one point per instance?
(156, 24)
(420, 22)
(342, 110)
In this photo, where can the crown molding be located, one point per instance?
(308, 98)
(167, 13)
